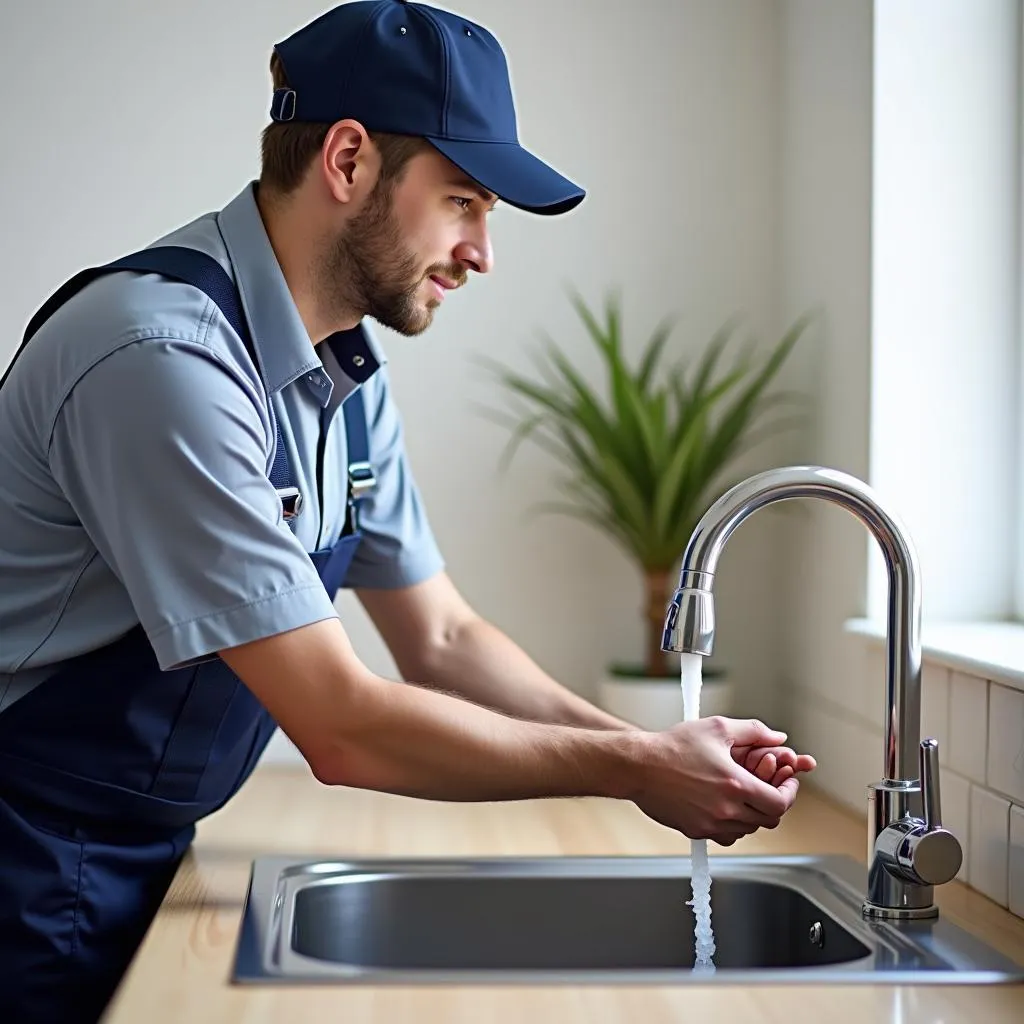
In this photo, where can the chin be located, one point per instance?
(425, 315)
(410, 327)
(426, 320)
(408, 315)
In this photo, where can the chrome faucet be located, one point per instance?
(909, 852)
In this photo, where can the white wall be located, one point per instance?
(141, 116)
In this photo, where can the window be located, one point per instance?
(947, 381)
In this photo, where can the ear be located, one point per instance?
(349, 161)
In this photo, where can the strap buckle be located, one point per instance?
(361, 479)
(291, 501)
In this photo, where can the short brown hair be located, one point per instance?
(289, 147)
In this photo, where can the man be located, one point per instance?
(201, 446)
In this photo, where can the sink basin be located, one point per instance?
(574, 920)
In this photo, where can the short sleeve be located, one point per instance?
(161, 449)
(398, 548)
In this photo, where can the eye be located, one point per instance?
(462, 202)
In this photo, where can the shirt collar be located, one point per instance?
(281, 339)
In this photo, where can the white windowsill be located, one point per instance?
(991, 650)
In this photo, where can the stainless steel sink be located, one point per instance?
(573, 920)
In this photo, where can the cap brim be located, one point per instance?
(513, 174)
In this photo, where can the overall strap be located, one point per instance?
(202, 271)
(361, 478)
(181, 264)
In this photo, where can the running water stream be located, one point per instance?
(700, 881)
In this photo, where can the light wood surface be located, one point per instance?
(182, 971)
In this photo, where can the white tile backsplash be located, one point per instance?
(1016, 865)
(968, 725)
(955, 792)
(990, 840)
(1006, 741)
(935, 706)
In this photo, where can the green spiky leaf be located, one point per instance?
(643, 456)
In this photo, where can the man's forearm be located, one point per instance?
(417, 742)
(482, 664)
(358, 729)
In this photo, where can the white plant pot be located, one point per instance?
(657, 704)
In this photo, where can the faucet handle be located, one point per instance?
(930, 793)
(916, 850)
(928, 853)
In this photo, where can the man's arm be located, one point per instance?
(438, 640)
(434, 636)
(357, 729)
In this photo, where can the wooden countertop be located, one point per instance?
(182, 971)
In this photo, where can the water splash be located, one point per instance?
(700, 881)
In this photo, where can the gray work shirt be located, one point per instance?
(136, 447)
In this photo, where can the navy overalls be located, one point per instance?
(106, 766)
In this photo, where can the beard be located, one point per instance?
(370, 269)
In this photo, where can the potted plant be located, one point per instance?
(642, 465)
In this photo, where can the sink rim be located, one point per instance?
(833, 883)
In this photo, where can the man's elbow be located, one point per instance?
(329, 765)
(352, 764)
(435, 657)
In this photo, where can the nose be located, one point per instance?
(475, 253)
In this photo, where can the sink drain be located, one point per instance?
(817, 935)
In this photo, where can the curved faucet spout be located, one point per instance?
(689, 622)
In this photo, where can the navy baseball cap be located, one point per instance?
(411, 69)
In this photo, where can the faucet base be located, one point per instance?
(897, 913)
(890, 896)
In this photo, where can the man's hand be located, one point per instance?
(773, 764)
(698, 780)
